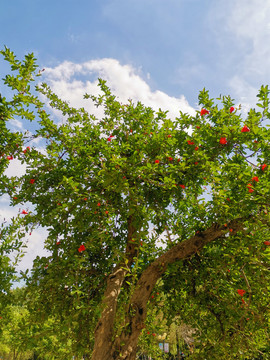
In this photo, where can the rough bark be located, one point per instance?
(105, 349)
(104, 329)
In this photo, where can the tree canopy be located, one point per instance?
(144, 213)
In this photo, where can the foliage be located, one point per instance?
(110, 190)
(12, 232)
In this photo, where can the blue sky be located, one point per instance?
(162, 52)
(181, 45)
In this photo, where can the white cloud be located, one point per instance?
(71, 81)
(34, 242)
(35, 247)
(242, 29)
(244, 92)
(15, 168)
(15, 123)
(249, 22)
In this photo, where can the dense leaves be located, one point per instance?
(110, 191)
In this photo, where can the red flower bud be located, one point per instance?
(182, 186)
(231, 109)
(32, 181)
(156, 161)
(170, 159)
(190, 142)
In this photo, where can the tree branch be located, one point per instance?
(149, 277)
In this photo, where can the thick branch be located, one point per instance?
(104, 328)
(149, 277)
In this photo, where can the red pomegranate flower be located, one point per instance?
(241, 292)
(25, 150)
(266, 242)
(24, 212)
(81, 248)
(204, 112)
(249, 186)
(32, 181)
(190, 142)
(263, 167)
(182, 186)
(245, 129)
(223, 141)
(255, 178)
(156, 161)
(231, 109)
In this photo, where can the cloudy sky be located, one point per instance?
(162, 52)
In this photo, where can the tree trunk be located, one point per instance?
(124, 347)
